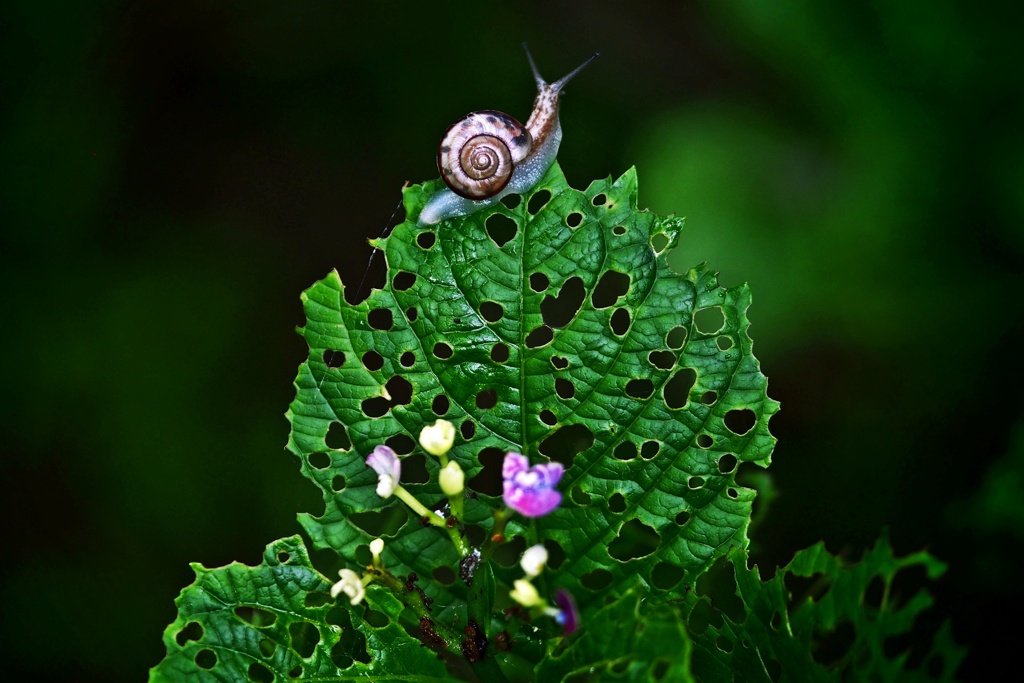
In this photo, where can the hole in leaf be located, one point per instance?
(316, 599)
(444, 575)
(556, 555)
(539, 282)
(566, 443)
(724, 644)
(548, 418)
(700, 617)
(488, 481)
(320, 461)
(486, 399)
(384, 522)
(663, 360)
(831, 646)
(255, 616)
(377, 406)
(564, 388)
(296, 672)
(732, 493)
(468, 429)
(414, 469)
(375, 619)
(283, 557)
(620, 321)
(350, 648)
(617, 502)
(727, 463)
(440, 404)
(491, 311)
(539, 337)
(305, 637)
(625, 451)
(511, 201)
(619, 666)
(649, 449)
(659, 241)
(596, 580)
(709, 398)
(400, 390)
(907, 583)
(635, 540)
(537, 201)
(338, 616)
(191, 631)
(610, 287)
(508, 554)
(705, 441)
(373, 361)
(579, 496)
(619, 230)
(599, 200)
(334, 359)
(677, 389)
(499, 352)
(682, 518)
(639, 388)
(676, 337)
(338, 484)
(408, 359)
(574, 219)
(426, 239)
(559, 362)
(501, 229)
(443, 350)
(401, 444)
(403, 280)
(709, 320)
(724, 343)
(740, 421)
(267, 647)
(695, 482)
(206, 659)
(381, 319)
(874, 592)
(659, 669)
(558, 311)
(666, 575)
(411, 314)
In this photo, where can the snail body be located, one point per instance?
(489, 154)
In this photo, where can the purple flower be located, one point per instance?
(568, 616)
(530, 491)
(388, 467)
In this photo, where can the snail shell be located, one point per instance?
(490, 154)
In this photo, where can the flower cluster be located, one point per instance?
(530, 491)
(564, 611)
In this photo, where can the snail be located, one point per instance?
(489, 154)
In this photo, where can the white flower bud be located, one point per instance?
(438, 438)
(534, 560)
(452, 479)
(377, 547)
(524, 593)
(351, 585)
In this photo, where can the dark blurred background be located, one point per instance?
(175, 174)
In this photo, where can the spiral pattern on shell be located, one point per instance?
(478, 154)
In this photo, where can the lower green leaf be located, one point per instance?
(277, 621)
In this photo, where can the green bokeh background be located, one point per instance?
(175, 174)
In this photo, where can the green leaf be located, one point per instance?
(623, 644)
(277, 621)
(834, 629)
(553, 327)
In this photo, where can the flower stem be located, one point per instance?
(418, 507)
